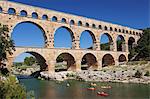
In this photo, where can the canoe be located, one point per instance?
(106, 87)
(91, 88)
(102, 94)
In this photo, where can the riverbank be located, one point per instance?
(136, 73)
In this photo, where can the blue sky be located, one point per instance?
(132, 13)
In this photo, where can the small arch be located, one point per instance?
(100, 26)
(54, 19)
(123, 31)
(63, 20)
(131, 42)
(130, 32)
(115, 29)
(79, 23)
(87, 24)
(93, 25)
(126, 31)
(23, 13)
(137, 33)
(1, 10)
(105, 27)
(119, 30)
(72, 22)
(89, 61)
(11, 11)
(107, 60)
(64, 62)
(122, 58)
(133, 33)
(45, 17)
(34, 15)
(111, 29)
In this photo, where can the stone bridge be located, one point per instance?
(49, 21)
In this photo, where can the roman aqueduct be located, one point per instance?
(49, 21)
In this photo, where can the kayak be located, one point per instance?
(102, 94)
(91, 88)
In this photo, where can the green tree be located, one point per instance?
(6, 44)
(142, 50)
(29, 61)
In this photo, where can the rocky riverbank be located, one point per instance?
(124, 73)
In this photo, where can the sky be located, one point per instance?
(132, 13)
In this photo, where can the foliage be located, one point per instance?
(105, 46)
(138, 74)
(147, 73)
(18, 64)
(10, 89)
(60, 58)
(29, 61)
(137, 63)
(6, 44)
(143, 48)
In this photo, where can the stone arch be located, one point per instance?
(40, 27)
(35, 15)
(87, 24)
(100, 26)
(69, 30)
(39, 57)
(1, 10)
(109, 45)
(63, 20)
(105, 28)
(92, 36)
(79, 23)
(122, 58)
(45, 17)
(72, 22)
(11, 11)
(115, 29)
(108, 60)
(119, 30)
(66, 59)
(89, 61)
(93, 25)
(54, 19)
(111, 29)
(131, 43)
(23, 13)
(120, 43)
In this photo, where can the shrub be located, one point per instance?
(10, 89)
(147, 73)
(138, 74)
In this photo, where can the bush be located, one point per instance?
(147, 73)
(10, 89)
(138, 74)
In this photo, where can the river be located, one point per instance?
(78, 90)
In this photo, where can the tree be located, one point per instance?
(142, 50)
(29, 61)
(6, 44)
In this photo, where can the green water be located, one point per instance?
(78, 90)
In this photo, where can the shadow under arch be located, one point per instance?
(120, 43)
(33, 23)
(67, 60)
(122, 58)
(108, 60)
(89, 61)
(68, 30)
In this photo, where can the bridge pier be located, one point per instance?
(51, 66)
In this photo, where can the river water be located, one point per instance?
(78, 90)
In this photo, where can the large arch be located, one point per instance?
(120, 43)
(108, 60)
(64, 62)
(27, 28)
(131, 42)
(39, 58)
(122, 58)
(106, 42)
(87, 40)
(89, 61)
(61, 41)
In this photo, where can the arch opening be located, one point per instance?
(23, 13)
(34, 15)
(11, 11)
(120, 43)
(64, 38)
(24, 32)
(108, 60)
(87, 40)
(131, 43)
(30, 59)
(64, 62)
(1, 10)
(106, 42)
(72, 22)
(45, 17)
(54, 19)
(122, 58)
(89, 61)
(63, 20)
